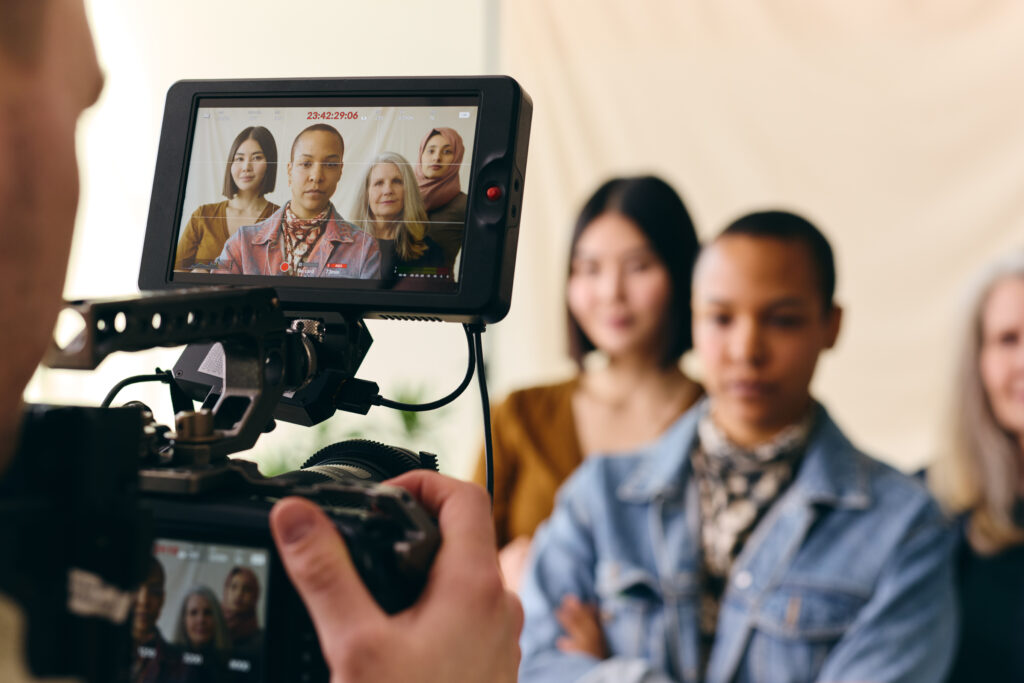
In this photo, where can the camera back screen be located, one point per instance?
(365, 193)
(200, 615)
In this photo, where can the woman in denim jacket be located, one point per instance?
(753, 541)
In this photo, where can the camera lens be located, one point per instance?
(362, 460)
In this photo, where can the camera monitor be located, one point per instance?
(380, 197)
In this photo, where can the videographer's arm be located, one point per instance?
(464, 627)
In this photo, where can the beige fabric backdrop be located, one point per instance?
(898, 127)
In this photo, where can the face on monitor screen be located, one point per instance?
(328, 189)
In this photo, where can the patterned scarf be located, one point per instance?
(298, 237)
(736, 487)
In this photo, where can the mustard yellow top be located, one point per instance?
(535, 449)
(203, 238)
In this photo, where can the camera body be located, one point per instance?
(125, 527)
(100, 494)
(87, 526)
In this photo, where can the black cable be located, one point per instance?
(160, 376)
(433, 405)
(474, 340)
(478, 347)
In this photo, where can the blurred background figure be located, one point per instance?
(241, 596)
(390, 208)
(250, 173)
(628, 299)
(437, 173)
(980, 475)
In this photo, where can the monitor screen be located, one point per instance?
(367, 193)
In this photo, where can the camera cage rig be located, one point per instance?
(263, 356)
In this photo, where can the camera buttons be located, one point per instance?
(493, 193)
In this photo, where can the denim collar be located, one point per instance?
(833, 471)
(336, 228)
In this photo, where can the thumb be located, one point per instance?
(318, 563)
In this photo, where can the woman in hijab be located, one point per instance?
(437, 173)
(241, 597)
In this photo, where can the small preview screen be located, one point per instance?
(200, 614)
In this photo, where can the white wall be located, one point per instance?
(146, 46)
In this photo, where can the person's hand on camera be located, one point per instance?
(464, 627)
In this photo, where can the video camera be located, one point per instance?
(283, 213)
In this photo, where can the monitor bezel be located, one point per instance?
(483, 292)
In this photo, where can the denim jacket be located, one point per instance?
(848, 577)
(343, 251)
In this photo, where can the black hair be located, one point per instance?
(661, 215)
(265, 140)
(788, 227)
(154, 565)
(21, 31)
(323, 127)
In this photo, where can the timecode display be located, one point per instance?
(331, 115)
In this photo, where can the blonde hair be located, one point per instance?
(977, 469)
(412, 227)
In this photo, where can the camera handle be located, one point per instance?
(261, 359)
(248, 364)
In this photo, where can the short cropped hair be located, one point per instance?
(661, 215)
(265, 140)
(153, 565)
(788, 227)
(21, 31)
(326, 128)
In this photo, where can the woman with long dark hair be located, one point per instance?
(628, 309)
(250, 173)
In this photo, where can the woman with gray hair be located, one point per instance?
(390, 208)
(980, 475)
(202, 634)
